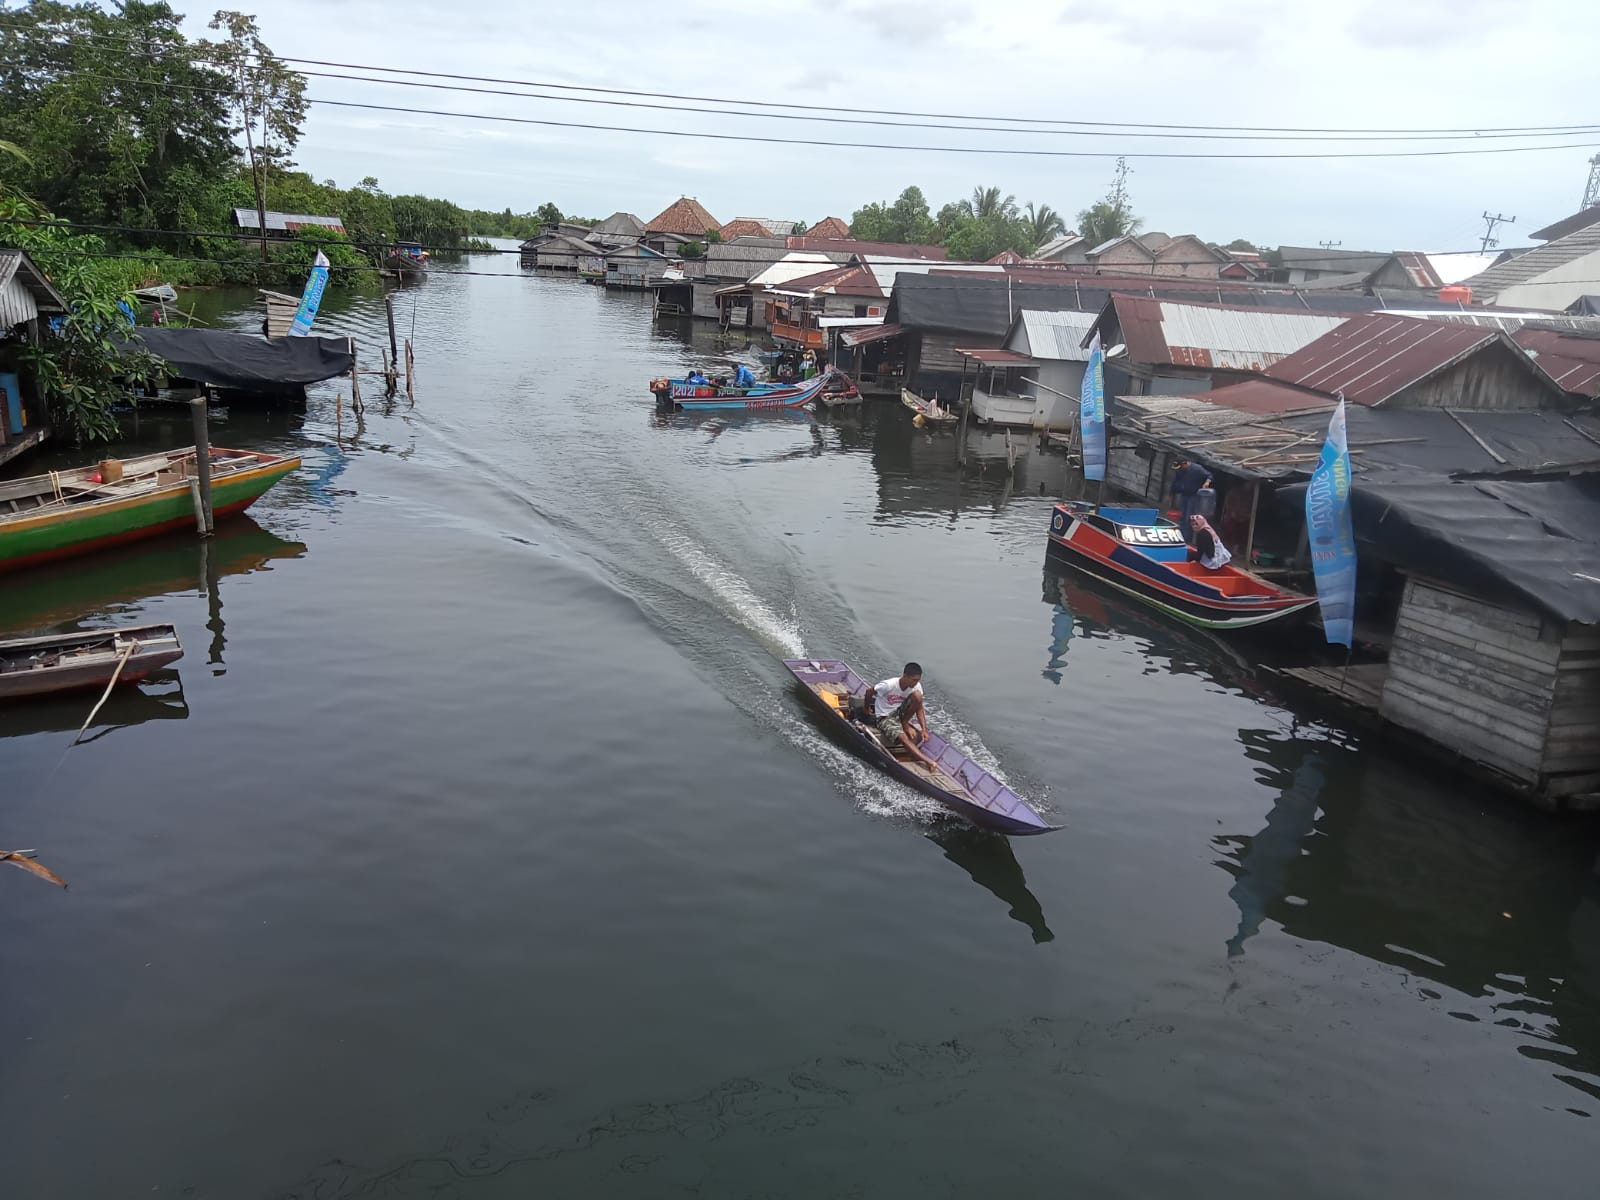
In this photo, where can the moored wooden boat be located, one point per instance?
(63, 513)
(669, 395)
(841, 391)
(63, 662)
(929, 410)
(961, 785)
(1140, 553)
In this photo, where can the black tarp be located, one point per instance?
(1532, 542)
(248, 361)
(1585, 306)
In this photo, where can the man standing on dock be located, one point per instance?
(1187, 480)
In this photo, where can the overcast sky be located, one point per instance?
(1384, 64)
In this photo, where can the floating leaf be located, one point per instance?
(32, 867)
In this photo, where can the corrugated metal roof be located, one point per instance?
(247, 218)
(878, 334)
(1372, 357)
(25, 293)
(996, 358)
(908, 250)
(796, 264)
(1260, 396)
(1534, 263)
(1453, 268)
(775, 227)
(1572, 359)
(1170, 333)
(840, 281)
(1054, 335)
(1578, 220)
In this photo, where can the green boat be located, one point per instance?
(62, 513)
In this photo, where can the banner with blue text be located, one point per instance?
(1332, 541)
(1092, 413)
(311, 299)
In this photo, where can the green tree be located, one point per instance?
(977, 239)
(906, 220)
(548, 214)
(1242, 244)
(1113, 216)
(122, 125)
(946, 221)
(987, 202)
(82, 366)
(1042, 224)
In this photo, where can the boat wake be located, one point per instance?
(868, 788)
(732, 592)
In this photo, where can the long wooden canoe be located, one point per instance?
(52, 516)
(960, 784)
(63, 662)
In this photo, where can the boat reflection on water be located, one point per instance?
(1354, 852)
(157, 698)
(990, 860)
(116, 580)
(1084, 607)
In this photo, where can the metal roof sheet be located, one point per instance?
(1533, 263)
(25, 293)
(996, 358)
(1166, 332)
(1572, 360)
(878, 334)
(1372, 357)
(796, 264)
(1054, 335)
(247, 218)
(1578, 220)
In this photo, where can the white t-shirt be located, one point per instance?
(888, 696)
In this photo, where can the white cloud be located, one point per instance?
(1363, 64)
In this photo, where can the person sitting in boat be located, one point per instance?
(697, 378)
(1187, 480)
(1206, 546)
(744, 377)
(895, 706)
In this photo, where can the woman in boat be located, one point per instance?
(1206, 546)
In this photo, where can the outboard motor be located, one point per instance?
(662, 389)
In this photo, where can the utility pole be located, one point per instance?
(255, 169)
(1591, 193)
(1488, 234)
(1330, 245)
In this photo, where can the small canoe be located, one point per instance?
(735, 400)
(841, 391)
(64, 513)
(929, 410)
(64, 662)
(1139, 552)
(960, 784)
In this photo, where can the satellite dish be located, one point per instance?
(1117, 351)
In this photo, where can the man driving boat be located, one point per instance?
(896, 708)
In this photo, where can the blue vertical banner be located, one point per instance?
(310, 298)
(1332, 541)
(1092, 413)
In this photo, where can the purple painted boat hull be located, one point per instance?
(979, 796)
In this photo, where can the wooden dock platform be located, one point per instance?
(1361, 683)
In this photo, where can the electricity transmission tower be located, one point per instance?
(1591, 193)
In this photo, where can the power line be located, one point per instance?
(232, 235)
(193, 49)
(772, 116)
(999, 150)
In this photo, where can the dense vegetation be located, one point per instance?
(128, 126)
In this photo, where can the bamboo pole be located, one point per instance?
(411, 395)
(133, 645)
(1255, 502)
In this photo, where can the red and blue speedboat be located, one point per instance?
(678, 393)
(1139, 552)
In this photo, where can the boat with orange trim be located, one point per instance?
(1139, 552)
(63, 513)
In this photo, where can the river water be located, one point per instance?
(477, 848)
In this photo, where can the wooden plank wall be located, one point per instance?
(1494, 379)
(1572, 749)
(1475, 677)
(1135, 473)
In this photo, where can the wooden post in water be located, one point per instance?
(204, 518)
(355, 379)
(1250, 537)
(411, 395)
(388, 311)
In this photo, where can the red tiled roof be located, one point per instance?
(744, 227)
(683, 216)
(825, 245)
(1006, 258)
(828, 227)
(1374, 356)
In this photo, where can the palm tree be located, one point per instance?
(987, 202)
(1042, 224)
